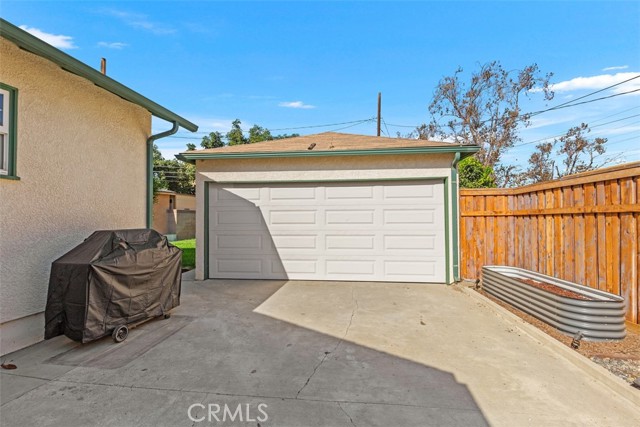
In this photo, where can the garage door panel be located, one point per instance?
(292, 193)
(240, 196)
(403, 242)
(349, 216)
(349, 193)
(409, 216)
(237, 217)
(359, 242)
(296, 242)
(349, 267)
(293, 217)
(408, 192)
(238, 241)
(329, 231)
(242, 265)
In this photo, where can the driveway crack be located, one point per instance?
(327, 353)
(347, 414)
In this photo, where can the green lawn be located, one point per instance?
(188, 252)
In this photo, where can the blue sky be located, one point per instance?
(292, 64)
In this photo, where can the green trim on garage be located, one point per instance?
(205, 261)
(455, 239)
(447, 236)
(311, 181)
(465, 151)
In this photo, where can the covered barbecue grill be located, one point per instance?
(113, 279)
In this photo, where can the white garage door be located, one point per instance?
(373, 231)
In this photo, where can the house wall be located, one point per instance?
(81, 161)
(332, 168)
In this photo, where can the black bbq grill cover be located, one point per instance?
(114, 277)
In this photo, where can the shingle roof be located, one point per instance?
(327, 141)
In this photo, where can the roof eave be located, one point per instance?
(464, 150)
(38, 47)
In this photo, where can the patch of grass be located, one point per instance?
(188, 252)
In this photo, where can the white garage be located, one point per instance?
(328, 207)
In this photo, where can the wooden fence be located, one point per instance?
(584, 228)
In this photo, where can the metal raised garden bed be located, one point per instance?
(599, 317)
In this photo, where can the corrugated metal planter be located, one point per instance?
(600, 317)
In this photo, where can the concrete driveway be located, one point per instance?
(264, 353)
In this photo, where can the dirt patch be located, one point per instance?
(622, 357)
(556, 290)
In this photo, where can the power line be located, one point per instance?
(329, 125)
(588, 95)
(567, 104)
(385, 126)
(355, 124)
(623, 140)
(558, 107)
(562, 134)
(616, 114)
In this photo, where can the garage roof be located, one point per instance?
(38, 47)
(329, 143)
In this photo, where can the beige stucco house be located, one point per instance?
(330, 206)
(76, 153)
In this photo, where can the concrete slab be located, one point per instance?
(316, 353)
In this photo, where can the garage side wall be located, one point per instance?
(81, 162)
(305, 169)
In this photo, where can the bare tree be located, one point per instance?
(486, 110)
(581, 154)
(577, 151)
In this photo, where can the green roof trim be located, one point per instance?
(38, 47)
(464, 150)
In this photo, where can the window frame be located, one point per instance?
(10, 129)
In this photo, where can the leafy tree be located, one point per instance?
(235, 136)
(484, 111)
(159, 181)
(286, 135)
(577, 151)
(213, 140)
(474, 174)
(258, 134)
(172, 175)
(179, 176)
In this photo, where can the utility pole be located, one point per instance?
(379, 109)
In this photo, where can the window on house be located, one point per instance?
(8, 122)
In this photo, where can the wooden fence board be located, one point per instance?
(585, 229)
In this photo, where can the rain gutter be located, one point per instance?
(150, 142)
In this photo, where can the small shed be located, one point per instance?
(330, 206)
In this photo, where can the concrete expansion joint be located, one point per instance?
(347, 414)
(327, 353)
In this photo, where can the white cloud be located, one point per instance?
(112, 45)
(598, 82)
(296, 104)
(56, 40)
(140, 21)
(617, 67)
